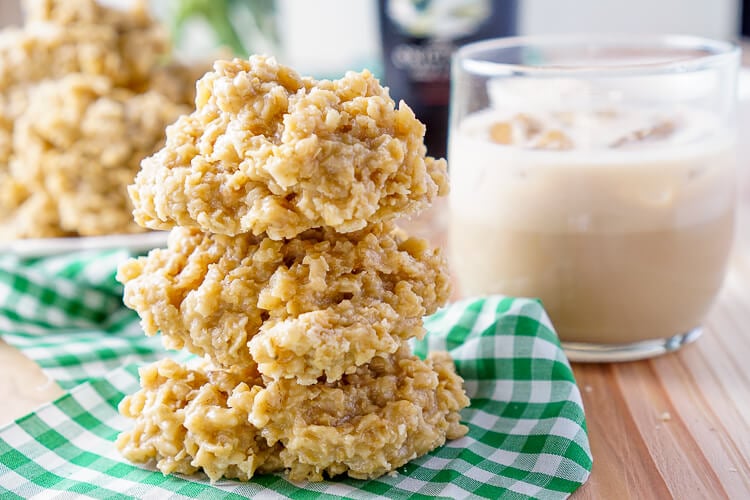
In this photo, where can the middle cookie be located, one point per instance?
(317, 305)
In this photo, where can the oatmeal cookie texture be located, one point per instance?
(318, 304)
(81, 140)
(285, 273)
(185, 422)
(81, 84)
(267, 151)
(232, 423)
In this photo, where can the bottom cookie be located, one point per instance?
(234, 424)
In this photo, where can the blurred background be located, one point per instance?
(407, 43)
(309, 32)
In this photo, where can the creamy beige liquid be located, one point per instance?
(621, 246)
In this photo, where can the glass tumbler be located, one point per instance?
(596, 173)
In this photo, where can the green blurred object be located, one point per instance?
(222, 15)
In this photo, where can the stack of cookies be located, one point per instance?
(286, 275)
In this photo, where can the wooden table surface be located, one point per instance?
(677, 426)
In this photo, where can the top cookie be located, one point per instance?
(268, 151)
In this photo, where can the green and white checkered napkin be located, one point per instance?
(527, 433)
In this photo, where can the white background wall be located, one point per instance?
(715, 18)
(313, 30)
(712, 18)
(347, 28)
(10, 12)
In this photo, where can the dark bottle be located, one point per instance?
(418, 39)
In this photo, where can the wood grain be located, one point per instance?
(677, 426)
(23, 386)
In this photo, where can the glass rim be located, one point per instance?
(718, 52)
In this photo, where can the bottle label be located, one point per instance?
(446, 19)
(419, 37)
(424, 62)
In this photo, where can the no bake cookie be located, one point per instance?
(267, 151)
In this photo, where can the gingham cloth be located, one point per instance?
(527, 433)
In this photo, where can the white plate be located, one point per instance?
(52, 246)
